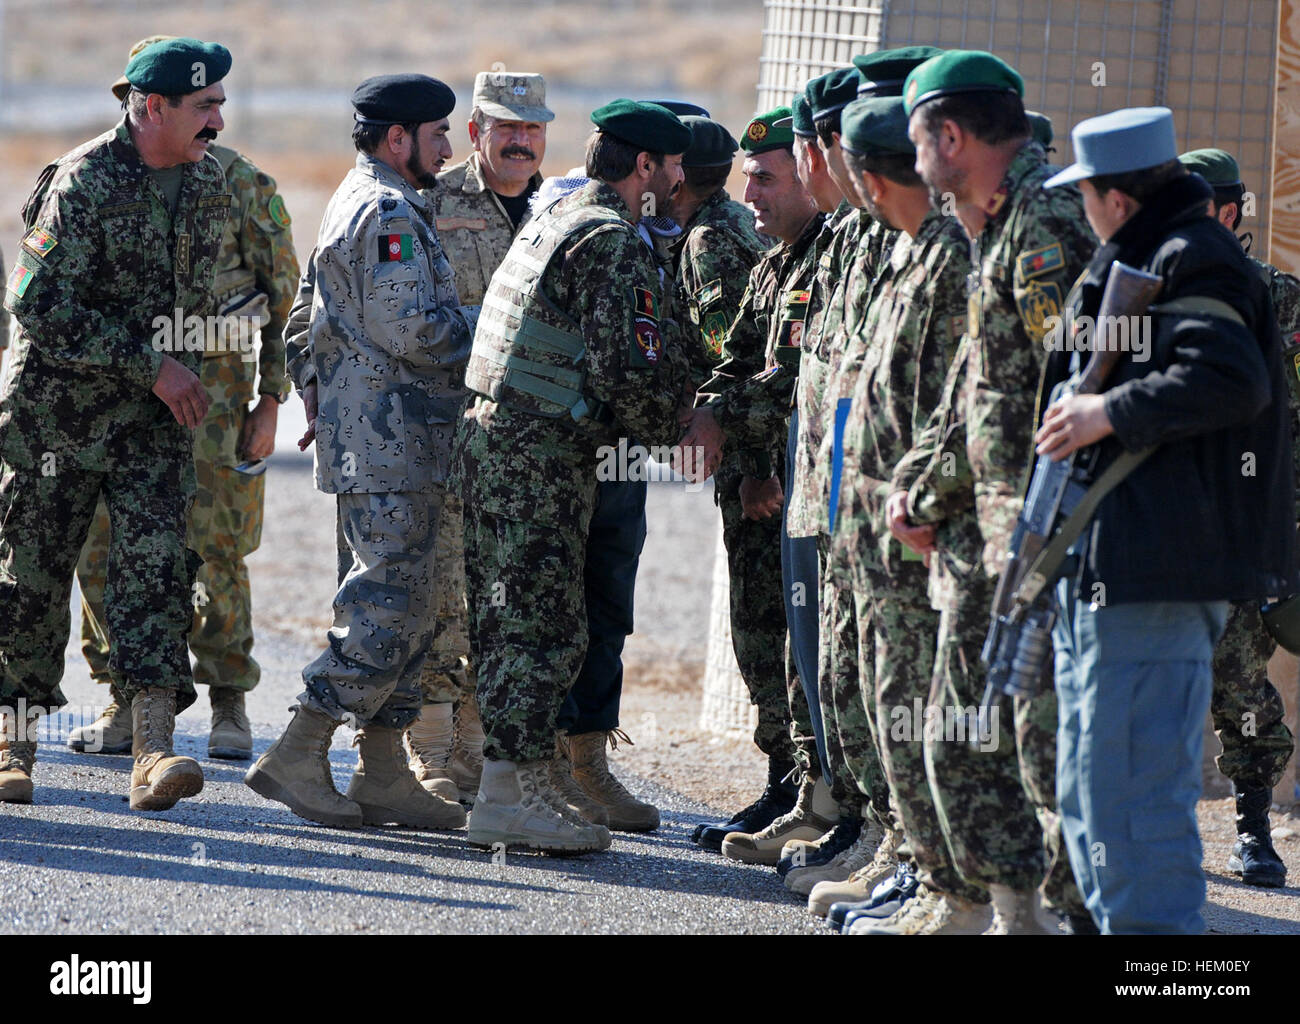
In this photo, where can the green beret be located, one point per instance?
(402, 99)
(884, 71)
(801, 119)
(1214, 165)
(711, 143)
(876, 126)
(680, 107)
(763, 132)
(960, 71)
(829, 93)
(653, 128)
(1040, 127)
(174, 67)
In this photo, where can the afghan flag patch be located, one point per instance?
(18, 281)
(643, 300)
(395, 248)
(39, 242)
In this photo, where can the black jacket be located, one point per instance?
(1209, 516)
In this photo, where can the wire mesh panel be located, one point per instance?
(1210, 61)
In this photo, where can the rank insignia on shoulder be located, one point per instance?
(39, 242)
(643, 301)
(1038, 262)
(277, 211)
(647, 342)
(393, 248)
(710, 293)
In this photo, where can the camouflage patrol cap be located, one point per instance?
(652, 127)
(960, 71)
(768, 131)
(512, 96)
(884, 72)
(1216, 166)
(876, 126)
(121, 87)
(177, 66)
(711, 143)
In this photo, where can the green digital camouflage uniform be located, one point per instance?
(714, 256)
(4, 314)
(752, 404)
(846, 654)
(1247, 709)
(386, 345)
(975, 452)
(529, 482)
(257, 277)
(102, 259)
(915, 317)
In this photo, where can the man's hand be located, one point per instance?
(309, 405)
(699, 451)
(761, 499)
(183, 392)
(1073, 423)
(919, 538)
(257, 438)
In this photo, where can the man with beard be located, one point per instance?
(379, 369)
(572, 356)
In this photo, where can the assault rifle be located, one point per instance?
(1059, 504)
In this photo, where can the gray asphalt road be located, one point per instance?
(79, 861)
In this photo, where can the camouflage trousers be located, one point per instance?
(224, 527)
(383, 611)
(846, 684)
(43, 523)
(996, 804)
(803, 740)
(757, 614)
(1247, 709)
(528, 626)
(447, 676)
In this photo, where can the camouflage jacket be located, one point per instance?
(475, 229)
(713, 258)
(386, 338)
(524, 467)
(95, 289)
(1284, 290)
(4, 313)
(894, 365)
(806, 514)
(1035, 244)
(257, 255)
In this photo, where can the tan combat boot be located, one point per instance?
(386, 791)
(17, 758)
(110, 733)
(514, 807)
(861, 883)
(428, 740)
(1019, 913)
(930, 913)
(570, 792)
(295, 771)
(814, 814)
(159, 777)
(591, 773)
(466, 766)
(231, 736)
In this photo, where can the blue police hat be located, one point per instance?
(1119, 142)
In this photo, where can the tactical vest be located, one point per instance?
(529, 354)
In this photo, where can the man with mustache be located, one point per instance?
(479, 205)
(121, 234)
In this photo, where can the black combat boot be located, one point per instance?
(777, 799)
(831, 845)
(1253, 856)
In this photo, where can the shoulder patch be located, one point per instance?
(647, 343)
(39, 242)
(18, 281)
(393, 248)
(709, 293)
(1038, 301)
(388, 205)
(714, 331)
(1039, 262)
(278, 212)
(643, 301)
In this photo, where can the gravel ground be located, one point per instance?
(78, 861)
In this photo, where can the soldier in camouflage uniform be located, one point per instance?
(750, 395)
(257, 276)
(578, 280)
(1247, 710)
(994, 803)
(122, 241)
(380, 370)
(478, 205)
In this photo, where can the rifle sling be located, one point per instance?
(1049, 560)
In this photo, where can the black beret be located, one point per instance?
(402, 99)
(711, 143)
(884, 72)
(652, 127)
(171, 67)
